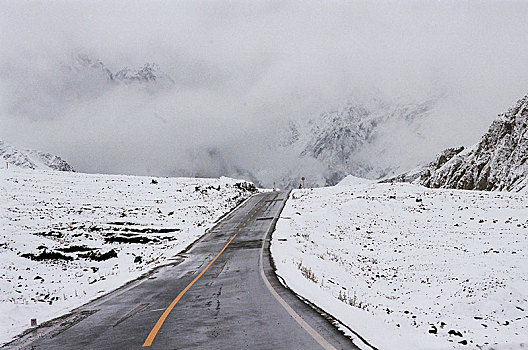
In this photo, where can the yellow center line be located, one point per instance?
(239, 229)
(154, 331)
(249, 219)
(244, 224)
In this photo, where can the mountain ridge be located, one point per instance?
(498, 162)
(31, 159)
(352, 139)
(149, 73)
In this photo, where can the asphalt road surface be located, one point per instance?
(221, 293)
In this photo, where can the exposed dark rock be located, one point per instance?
(50, 233)
(75, 248)
(454, 332)
(246, 186)
(130, 239)
(46, 255)
(97, 256)
(433, 329)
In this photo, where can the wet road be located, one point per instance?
(221, 293)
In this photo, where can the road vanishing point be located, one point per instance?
(221, 293)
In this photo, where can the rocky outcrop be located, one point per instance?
(498, 162)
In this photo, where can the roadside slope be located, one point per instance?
(67, 238)
(410, 267)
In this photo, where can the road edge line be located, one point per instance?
(334, 321)
(309, 329)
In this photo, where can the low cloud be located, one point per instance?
(243, 68)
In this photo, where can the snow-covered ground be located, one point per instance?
(66, 238)
(409, 267)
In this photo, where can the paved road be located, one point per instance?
(223, 296)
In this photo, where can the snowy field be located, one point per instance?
(67, 238)
(409, 267)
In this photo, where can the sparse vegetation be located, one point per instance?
(307, 272)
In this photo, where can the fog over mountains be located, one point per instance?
(268, 91)
(82, 65)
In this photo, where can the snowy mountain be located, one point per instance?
(148, 74)
(30, 159)
(360, 138)
(83, 62)
(498, 162)
(356, 139)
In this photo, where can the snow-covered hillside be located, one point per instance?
(66, 238)
(355, 138)
(409, 267)
(358, 139)
(498, 162)
(30, 159)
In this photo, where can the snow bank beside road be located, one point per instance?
(408, 267)
(67, 238)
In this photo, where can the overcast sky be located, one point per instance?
(239, 67)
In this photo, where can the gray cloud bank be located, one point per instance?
(240, 69)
